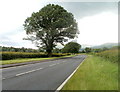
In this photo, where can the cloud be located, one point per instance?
(83, 9)
(98, 29)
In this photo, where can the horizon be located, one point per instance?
(83, 46)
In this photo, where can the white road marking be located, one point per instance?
(52, 65)
(39, 69)
(22, 66)
(20, 74)
(28, 72)
(3, 78)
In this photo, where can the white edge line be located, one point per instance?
(61, 86)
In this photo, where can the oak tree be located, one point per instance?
(50, 25)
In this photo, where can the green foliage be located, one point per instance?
(87, 50)
(49, 26)
(15, 55)
(71, 47)
(13, 49)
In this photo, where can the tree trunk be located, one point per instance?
(50, 47)
(49, 53)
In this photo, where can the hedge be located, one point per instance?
(14, 55)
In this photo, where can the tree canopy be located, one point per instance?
(71, 47)
(87, 49)
(49, 26)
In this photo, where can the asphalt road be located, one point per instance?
(40, 76)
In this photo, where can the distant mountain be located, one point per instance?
(107, 45)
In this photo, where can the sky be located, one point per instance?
(97, 21)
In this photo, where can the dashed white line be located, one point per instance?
(22, 66)
(3, 78)
(39, 69)
(31, 70)
(28, 72)
(52, 65)
(20, 74)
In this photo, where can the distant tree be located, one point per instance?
(87, 50)
(51, 25)
(71, 47)
(83, 51)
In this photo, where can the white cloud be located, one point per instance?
(14, 12)
(98, 29)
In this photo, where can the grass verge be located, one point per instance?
(22, 60)
(94, 74)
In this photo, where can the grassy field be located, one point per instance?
(111, 55)
(21, 60)
(94, 74)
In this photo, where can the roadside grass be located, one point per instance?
(22, 60)
(94, 74)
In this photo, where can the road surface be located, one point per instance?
(40, 76)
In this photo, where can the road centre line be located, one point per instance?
(3, 78)
(52, 64)
(28, 72)
(19, 74)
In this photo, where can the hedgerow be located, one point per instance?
(14, 55)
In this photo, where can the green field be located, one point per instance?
(95, 73)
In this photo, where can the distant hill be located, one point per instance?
(107, 45)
